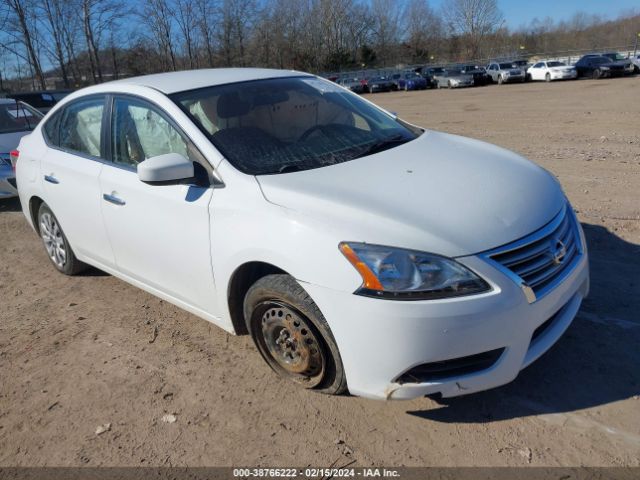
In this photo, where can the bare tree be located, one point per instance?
(185, 15)
(157, 15)
(474, 20)
(204, 24)
(53, 24)
(235, 20)
(423, 29)
(20, 25)
(386, 28)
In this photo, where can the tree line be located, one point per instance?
(89, 41)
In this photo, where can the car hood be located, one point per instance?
(10, 141)
(440, 193)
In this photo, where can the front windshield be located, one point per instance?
(290, 124)
(556, 64)
(18, 117)
(506, 66)
(600, 60)
(411, 75)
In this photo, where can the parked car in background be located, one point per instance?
(622, 60)
(43, 100)
(17, 119)
(395, 80)
(453, 78)
(353, 84)
(429, 74)
(597, 66)
(379, 84)
(635, 59)
(505, 73)
(479, 74)
(323, 233)
(411, 81)
(522, 65)
(552, 70)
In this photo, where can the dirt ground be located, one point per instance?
(77, 353)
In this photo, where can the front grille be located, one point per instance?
(541, 260)
(431, 372)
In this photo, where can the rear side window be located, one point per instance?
(77, 127)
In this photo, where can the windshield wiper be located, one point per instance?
(289, 168)
(383, 144)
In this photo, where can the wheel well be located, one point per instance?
(34, 206)
(241, 281)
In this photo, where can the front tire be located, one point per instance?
(596, 74)
(56, 244)
(292, 335)
(547, 77)
(500, 80)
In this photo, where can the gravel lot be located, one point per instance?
(78, 353)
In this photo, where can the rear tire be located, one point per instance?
(56, 244)
(292, 335)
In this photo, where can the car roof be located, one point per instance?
(172, 82)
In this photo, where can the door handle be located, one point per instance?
(113, 199)
(51, 179)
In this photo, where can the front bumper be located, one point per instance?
(7, 182)
(379, 340)
(564, 75)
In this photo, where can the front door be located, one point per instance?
(160, 234)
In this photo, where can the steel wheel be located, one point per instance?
(53, 240)
(290, 344)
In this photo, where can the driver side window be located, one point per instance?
(139, 131)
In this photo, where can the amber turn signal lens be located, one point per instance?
(370, 281)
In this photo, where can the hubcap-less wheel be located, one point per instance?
(291, 344)
(52, 236)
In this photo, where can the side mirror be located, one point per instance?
(167, 168)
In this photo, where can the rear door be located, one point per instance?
(71, 169)
(159, 233)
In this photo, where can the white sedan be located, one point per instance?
(549, 71)
(361, 253)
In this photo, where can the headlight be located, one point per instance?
(604, 68)
(400, 274)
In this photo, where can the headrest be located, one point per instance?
(230, 105)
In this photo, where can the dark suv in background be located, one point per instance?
(43, 100)
(598, 66)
